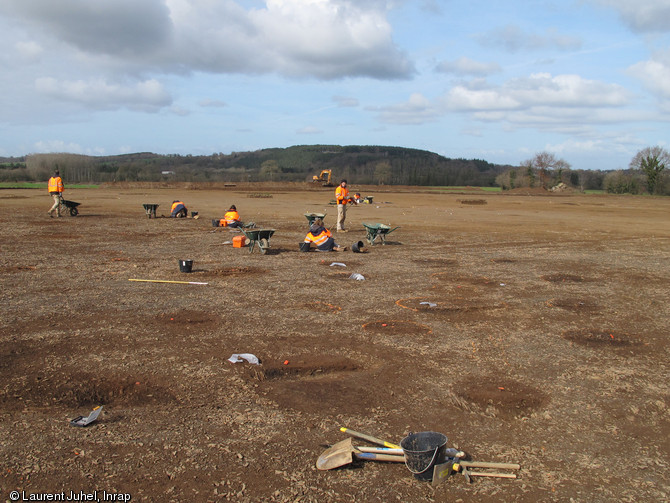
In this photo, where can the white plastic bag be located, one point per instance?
(237, 358)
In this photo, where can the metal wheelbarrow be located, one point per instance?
(71, 206)
(258, 236)
(150, 209)
(313, 216)
(377, 230)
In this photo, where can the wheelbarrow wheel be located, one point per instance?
(264, 244)
(74, 212)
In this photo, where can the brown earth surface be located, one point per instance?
(529, 329)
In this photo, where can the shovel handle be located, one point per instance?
(487, 474)
(369, 438)
(371, 456)
(380, 450)
(484, 464)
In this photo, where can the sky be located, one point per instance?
(587, 80)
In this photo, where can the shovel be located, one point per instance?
(342, 453)
(442, 471)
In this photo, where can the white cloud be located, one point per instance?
(515, 39)
(642, 15)
(417, 110)
(539, 89)
(99, 94)
(181, 112)
(655, 75)
(309, 130)
(345, 101)
(52, 146)
(116, 27)
(30, 51)
(210, 103)
(326, 39)
(472, 132)
(467, 66)
(562, 103)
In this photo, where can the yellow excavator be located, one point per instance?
(324, 178)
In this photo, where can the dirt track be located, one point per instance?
(547, 346)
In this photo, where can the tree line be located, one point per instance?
(365, 165)
(645, 173)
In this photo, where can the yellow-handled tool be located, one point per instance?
(369, 438)
(168, 281)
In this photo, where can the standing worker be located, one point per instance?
(55, 188)
(342, 197)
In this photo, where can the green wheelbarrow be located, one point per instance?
(258, 236)
(377, 230)
(313, 216)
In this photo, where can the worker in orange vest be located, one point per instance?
(55, 188)
(321, 237)
(342, 198)
(232, 217)
(178, 210)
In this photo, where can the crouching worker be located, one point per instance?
(178, 210)
(232, 217)
(321, 237)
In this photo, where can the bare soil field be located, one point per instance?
(529, 329)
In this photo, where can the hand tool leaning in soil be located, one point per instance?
(442, 471)
(342, 453)
(369, 438)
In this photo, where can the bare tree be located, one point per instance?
(651, 161)
(546, 162)
(383, 172)
(269, 169)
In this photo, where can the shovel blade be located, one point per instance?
(337, 455)
(441, 472)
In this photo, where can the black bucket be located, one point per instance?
(304, 247)
(185, 265)
(423, 451)
(358, 247)
(215, 223)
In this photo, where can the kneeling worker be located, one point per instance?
(321, 237)
(232, 217)
(178, 210)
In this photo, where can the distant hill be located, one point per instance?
(358, 164)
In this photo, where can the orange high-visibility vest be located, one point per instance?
(341, 194)
(55, 184)
(231, 216)
(319, 239)
(175, 204)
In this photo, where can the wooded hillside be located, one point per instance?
(359, 164)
